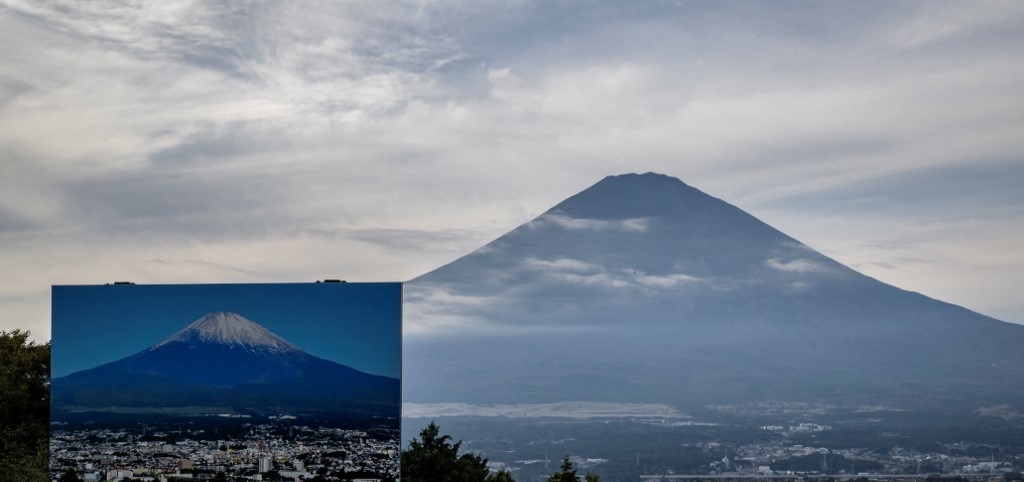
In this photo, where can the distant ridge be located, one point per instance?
(644, 289)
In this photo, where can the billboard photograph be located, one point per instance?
(226, 381)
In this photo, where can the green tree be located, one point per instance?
(24, 408)
(433, 458)
(568, 474)
(501, 476)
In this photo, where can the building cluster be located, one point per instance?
(783, 459)
(796, 429)
(262, 454)
(757, 459)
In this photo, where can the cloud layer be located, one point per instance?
(282, 141)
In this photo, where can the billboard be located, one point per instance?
(226, 381)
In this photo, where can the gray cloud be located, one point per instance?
(796, 266)
(235, 131)
(570, 223)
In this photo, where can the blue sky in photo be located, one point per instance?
(355, 324)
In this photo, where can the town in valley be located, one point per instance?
(269, 449)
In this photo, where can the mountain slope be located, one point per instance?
(644, 289)
(224, 360)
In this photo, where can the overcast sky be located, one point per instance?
(177, 142)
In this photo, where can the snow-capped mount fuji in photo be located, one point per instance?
(644, 289)
(224, 361)
(229, 329)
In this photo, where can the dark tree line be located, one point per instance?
(24, 408)
(434, 458)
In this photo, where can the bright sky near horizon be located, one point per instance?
(219, 142)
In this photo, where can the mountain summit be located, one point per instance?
(228, 329)
(646, 195)
(644, 289)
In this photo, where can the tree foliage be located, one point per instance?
(24, 408)
(568, 474)
(565, 474)
(501, 476)
(433, 458)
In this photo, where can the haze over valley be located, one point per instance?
(644, 299)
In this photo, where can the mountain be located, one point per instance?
(229, 329)
(644, 289)
(225, 361)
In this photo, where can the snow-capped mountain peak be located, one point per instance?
(229, 329)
